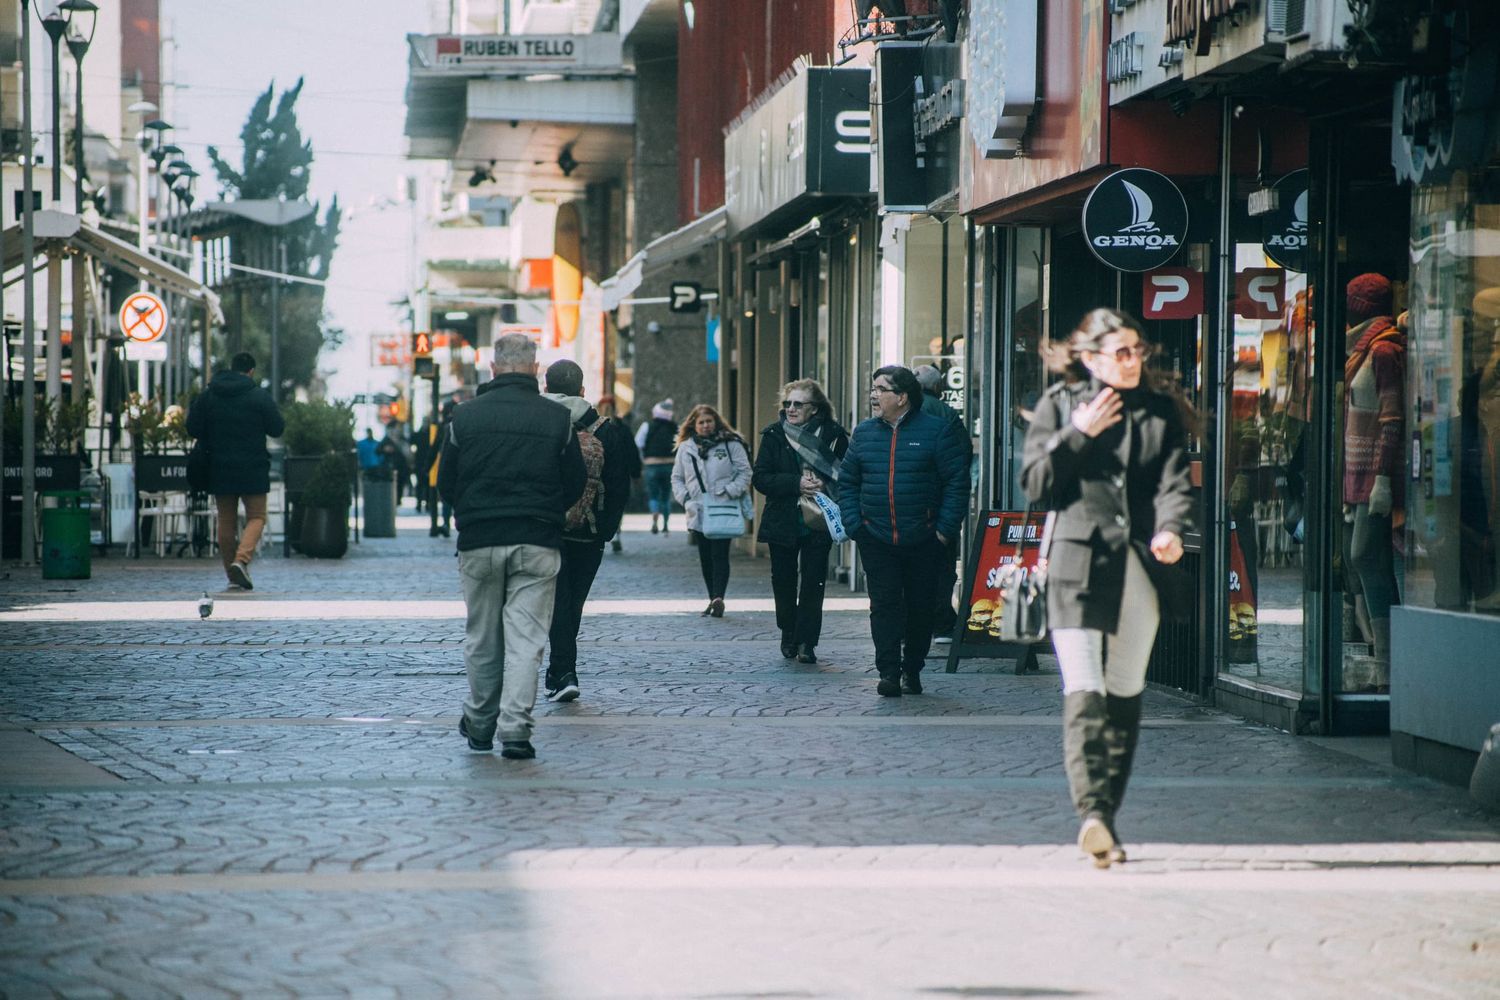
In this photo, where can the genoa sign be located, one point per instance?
(1135, 220)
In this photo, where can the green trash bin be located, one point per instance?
(66, 554)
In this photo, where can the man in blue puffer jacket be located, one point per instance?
(903, 488)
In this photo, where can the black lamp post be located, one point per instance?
(78, 44)
(55, 24)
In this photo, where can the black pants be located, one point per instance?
(901, 579)
(943, 615)
(713, 557)
(799, 604)
(580, 563)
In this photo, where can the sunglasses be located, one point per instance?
(1123, 354)
(797, 404)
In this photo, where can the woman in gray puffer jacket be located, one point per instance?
(714, 462)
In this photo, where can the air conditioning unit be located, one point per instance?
(1285, 19)
(1321, 31)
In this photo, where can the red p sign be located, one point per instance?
(1172, 293)
(1260, 293)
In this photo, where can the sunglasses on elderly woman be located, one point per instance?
(797, 404)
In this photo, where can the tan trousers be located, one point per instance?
(255, 523)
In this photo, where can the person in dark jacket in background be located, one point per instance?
(903, 488)
(943, 615)
(1107, 452)
(606, 407)
(427, 473)
(799, 455)
(233, 418)
(583, 545)
(657, 440)
(511, 468)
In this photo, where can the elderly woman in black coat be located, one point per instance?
(799, 457)
(1107, 453)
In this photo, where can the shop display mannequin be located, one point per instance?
(1374, 455)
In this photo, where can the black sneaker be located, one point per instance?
(563, 689)
(888, 687)
(517, 749)
(788, 649)
(478, 745)
(806, 654)
(239, 575)
(911, 683)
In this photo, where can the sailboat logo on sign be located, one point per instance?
(1135, 220)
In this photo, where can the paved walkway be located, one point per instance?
(275, 802)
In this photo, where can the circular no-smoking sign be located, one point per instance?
(143, 318)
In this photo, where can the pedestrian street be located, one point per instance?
(275, 801)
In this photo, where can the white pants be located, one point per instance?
(1113, 662)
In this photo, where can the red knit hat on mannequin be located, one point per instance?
(1366, 297)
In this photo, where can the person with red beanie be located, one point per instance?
(1374, 457)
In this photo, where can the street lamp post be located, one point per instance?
(56, 25)
(28, 307)
(78, 45)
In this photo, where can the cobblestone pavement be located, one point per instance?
(274, 802)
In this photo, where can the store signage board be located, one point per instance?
(1260, 293)
(809, 140)
(470, 55)
(997, 543)
(1135, 220)
(1172, 293)
(1284, 232)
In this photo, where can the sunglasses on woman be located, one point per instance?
(1123, 354)
(797, 404)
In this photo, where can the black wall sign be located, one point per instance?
(1135, 220)
(1285, 234)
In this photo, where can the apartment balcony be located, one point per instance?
(553, 112)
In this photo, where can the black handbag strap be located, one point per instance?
(702, 487)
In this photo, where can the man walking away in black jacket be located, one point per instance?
(510, 468)
(609, 459)
(232, 419)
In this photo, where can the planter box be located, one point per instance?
(53, 472)
(162, 473)
(297, 470)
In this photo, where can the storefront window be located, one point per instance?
(1452, 409)
(1023, 361)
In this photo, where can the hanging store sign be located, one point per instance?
(1285, 226)
(1172, 293)
(1135, 220)
(1442, 122)
(1005, 44)
(1260, 293)
(809, 140)
(919, 102)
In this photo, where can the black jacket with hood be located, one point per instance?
(233, 418)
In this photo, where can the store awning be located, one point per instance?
(51, 228)
(661, 252)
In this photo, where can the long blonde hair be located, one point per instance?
(721, 426)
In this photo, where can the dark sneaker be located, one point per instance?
(911, 683)
(806, 654)
(239, 575)
(888, 687)
(563, 689)
(517, 749)
(716, 607)
(788, 648)
(478, 745)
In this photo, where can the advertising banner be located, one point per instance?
(998, 543)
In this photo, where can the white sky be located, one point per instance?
(353, 55)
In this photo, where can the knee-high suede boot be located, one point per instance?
(1086, 752)
(1121, 733)
(1086, 757)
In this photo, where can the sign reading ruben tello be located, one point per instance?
(1135, 220)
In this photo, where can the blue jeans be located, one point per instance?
(659, 488)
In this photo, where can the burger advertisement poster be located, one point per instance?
(999, 545)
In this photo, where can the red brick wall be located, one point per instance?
(734, 51)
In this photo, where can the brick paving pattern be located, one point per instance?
(275, 802)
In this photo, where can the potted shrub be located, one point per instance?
(315, 430)
(59, 443)
(324, 502)
(159, 438)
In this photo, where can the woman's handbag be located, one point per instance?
(1023, 590)
(718, 517)
(821, 514)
